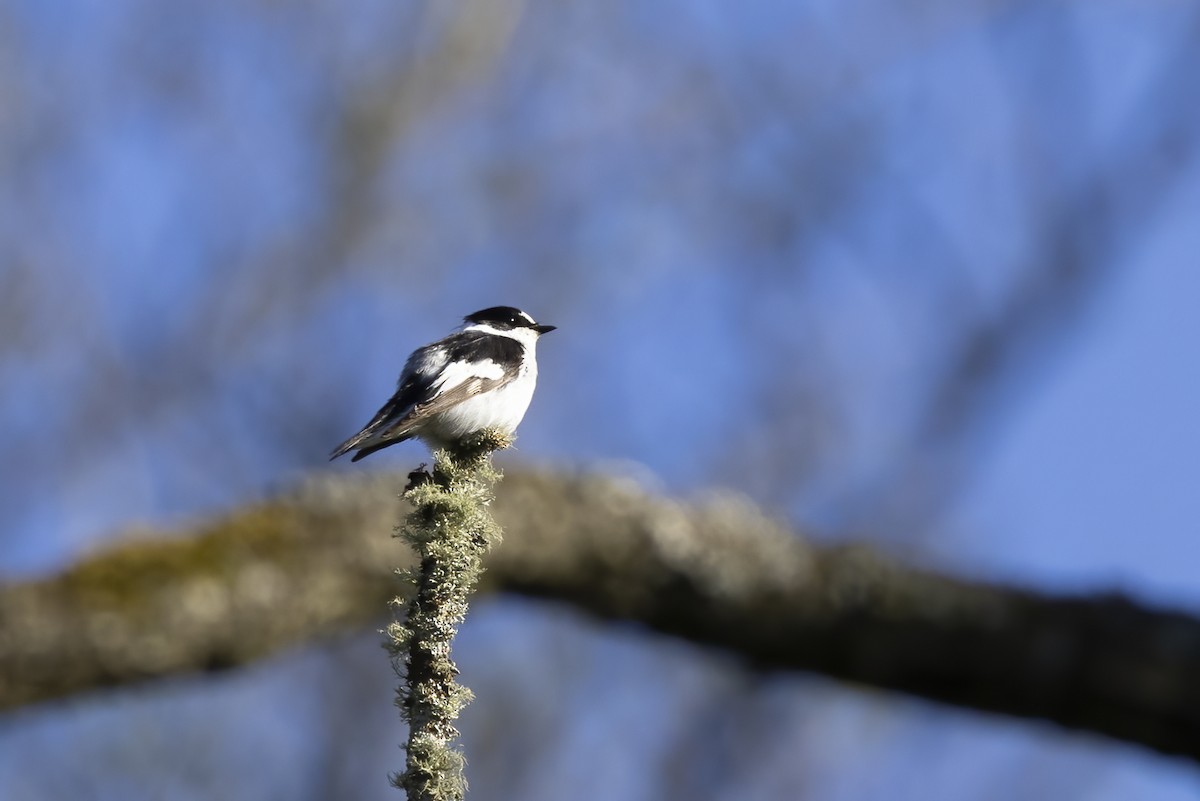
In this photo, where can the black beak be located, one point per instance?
(544, 329)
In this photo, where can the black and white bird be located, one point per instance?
(481, 376)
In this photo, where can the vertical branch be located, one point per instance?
(450, 529)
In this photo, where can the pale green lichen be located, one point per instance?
(451, 529)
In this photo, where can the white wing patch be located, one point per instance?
(455, 374)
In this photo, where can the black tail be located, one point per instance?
(378, 427)
(378, 446)
(387, 427)
(362, 436)
(345, 447)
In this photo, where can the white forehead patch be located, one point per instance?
(527, 318)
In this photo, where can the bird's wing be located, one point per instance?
(431, 383)
(414, 386)
(474, 379)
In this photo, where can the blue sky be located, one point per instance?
(761, 234)
(1094, 480)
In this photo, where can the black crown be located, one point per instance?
(501, 317)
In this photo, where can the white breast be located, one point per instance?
(502, 408)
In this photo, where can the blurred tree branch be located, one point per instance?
(1087, 230)
(446, 52)
(318, 561)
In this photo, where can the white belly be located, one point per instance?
(503, 408)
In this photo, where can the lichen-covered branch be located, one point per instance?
(317, 562)
(450, 529)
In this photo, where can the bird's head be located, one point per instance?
(506, 320)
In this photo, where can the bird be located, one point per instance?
(480, 376)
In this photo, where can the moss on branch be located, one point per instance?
(451, 530)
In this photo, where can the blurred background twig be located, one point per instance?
(921, 276)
